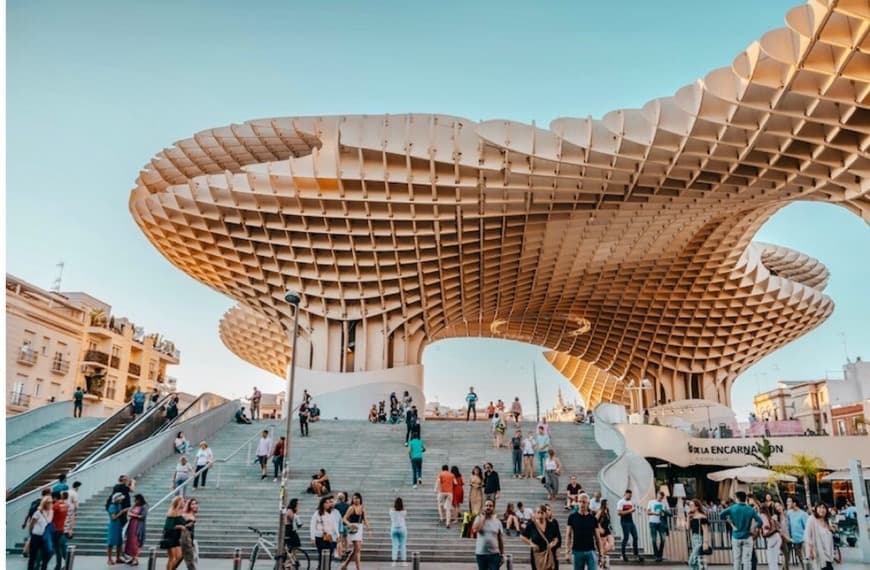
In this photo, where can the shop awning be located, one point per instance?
(750, 474)
(845, 475)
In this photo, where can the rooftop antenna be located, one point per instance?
(55, 285)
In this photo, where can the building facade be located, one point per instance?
(56, 342)
(829, 406)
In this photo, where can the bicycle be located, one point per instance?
(296, 559)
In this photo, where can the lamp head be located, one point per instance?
(292, 297)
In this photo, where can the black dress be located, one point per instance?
(551, 532)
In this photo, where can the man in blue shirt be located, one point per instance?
(741, 516)
(797, 523)
(471, 399)
(61, 485)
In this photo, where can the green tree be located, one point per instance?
(804, 466)
(762, 456)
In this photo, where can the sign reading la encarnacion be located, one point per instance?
(701, 452)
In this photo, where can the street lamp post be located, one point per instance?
(293, 299)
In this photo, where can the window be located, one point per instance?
(841, 426)
(29, 337)
(92, 345)
(46, 342)
(18, 387)
(37, 388)
(696, 386)
(110, 387)
(116, 351)
(152, 369)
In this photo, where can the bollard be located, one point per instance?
(325, 559)
(70, 557)
(237, 559)
(152, 558)
(509, 561)
(415, 560)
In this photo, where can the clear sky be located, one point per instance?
(95, 88)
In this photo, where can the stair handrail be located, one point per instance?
(125, 409)
(247, 444)
(147, 415)
(51, 443)
(181, 417)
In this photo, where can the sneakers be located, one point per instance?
(415, 485)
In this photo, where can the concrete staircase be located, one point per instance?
(358, 456)
(49, 433)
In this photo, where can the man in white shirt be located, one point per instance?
(264, 448)
(625, 509)
(595, 502)
(656, 510)
(524, 514)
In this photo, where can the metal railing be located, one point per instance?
(246, 445)
(134, 369)
(115, 362)
(19, 399)
(60, 366)
(97, 356)
(27, 355)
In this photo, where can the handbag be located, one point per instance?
(544, 560)
(326, 537)
(352, 528)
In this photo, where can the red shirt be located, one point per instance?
(445, 482)
(61, 509)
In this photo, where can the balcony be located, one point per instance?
(115, 362)
(97, 357)
(19, 400)
(26, 355)
(134, 369)
(60, 366)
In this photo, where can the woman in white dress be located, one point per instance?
(819, 540)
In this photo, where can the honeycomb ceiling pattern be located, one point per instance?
(638, 223)
(256, 339)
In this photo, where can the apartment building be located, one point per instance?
(832, 406)
(58, 341)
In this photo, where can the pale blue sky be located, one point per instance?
(95, 88)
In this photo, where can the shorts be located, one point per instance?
(262, 459)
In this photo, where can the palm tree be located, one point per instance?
(805, 466)
(765, 450)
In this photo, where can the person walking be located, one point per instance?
(656, 510)
(182, 472)
(324, 527)
(544, 539)
(471, 401)
(796, 519)
(491, 484)
(699, 532)
(416, 448)
(819, 539)
(583, 536)
(498, 428)
(444, 494)
(78, 402)
(475, 491)
(399, 531)
(489, 546)
(59, 537)
(304, 417)
(552, 470)
(410, 420)
(355, 520)
(608, 541)
(136, 529)
(113, 530)
(172, 527)
(138, 402)
(153, 399)
(625, 509)
(202, 461)
(741, 516)
(188, 534)
(458, 493)
(770, 530)
(517, 411)
(278, 458)
(40, 548)
(542, 446)
(529, 456)
(172, 409)
(517, 454)
(264, 449)
(256, 396)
